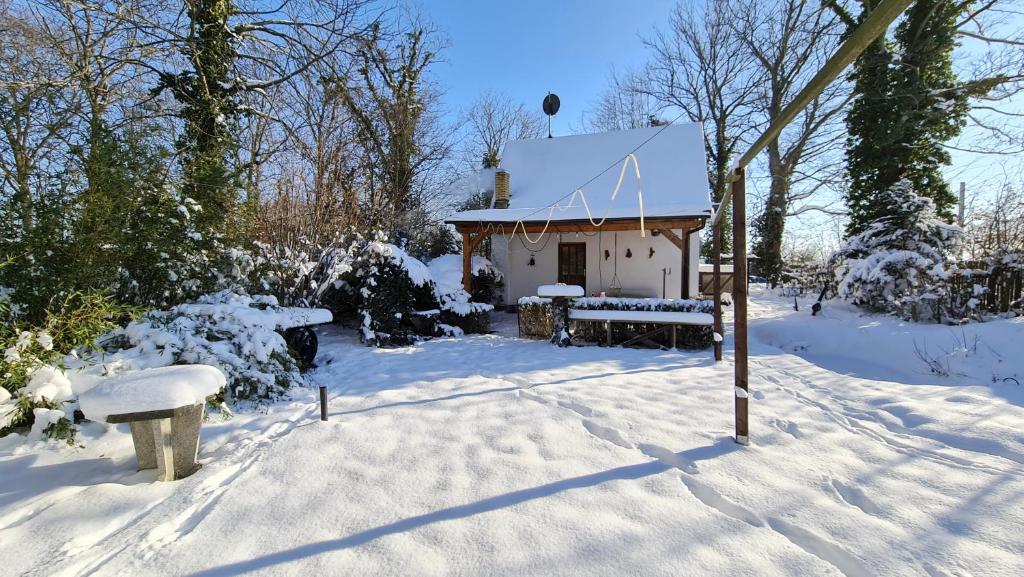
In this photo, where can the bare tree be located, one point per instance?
(790, 40)
(399, 126)
(624, 105)
(36, 110)
(700, 65)
(495, 120)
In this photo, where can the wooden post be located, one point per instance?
(323, 403)
(467, 262)
(739, 299)
(716, 285)
(684, 290)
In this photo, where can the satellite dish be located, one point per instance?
(551, 104)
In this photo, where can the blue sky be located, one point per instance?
(526, 48)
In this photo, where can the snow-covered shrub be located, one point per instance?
(535, 318)
(636, 304)
(378, 283)
(458, 307)
(31, 366)
(233, 332)
(898, 264)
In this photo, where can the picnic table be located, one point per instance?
(669, 320)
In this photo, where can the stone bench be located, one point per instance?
(166, 440)
(164, 408)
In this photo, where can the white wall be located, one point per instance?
(640, 275)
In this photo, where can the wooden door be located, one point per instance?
(572, 263)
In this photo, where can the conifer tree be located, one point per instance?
(208, 96)
(907, 103)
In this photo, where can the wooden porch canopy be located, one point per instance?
(473, 233)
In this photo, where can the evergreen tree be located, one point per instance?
(907, 102)
(209, 104)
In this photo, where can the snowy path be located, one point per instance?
(493, 456)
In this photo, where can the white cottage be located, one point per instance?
(644, 242)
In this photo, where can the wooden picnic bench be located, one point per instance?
(669, 321)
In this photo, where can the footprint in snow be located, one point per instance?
(788, 427)
(609, 434)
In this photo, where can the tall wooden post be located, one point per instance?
(467, 262)
(739, 299)
(684, 288)
(716, 284)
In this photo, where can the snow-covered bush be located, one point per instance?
(393, 295)
(459, 308)
(233, 332)
(377, 282)
(898, 265)
(32, 372)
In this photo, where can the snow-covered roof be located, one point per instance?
(546, 171)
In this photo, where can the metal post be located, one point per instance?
(716, 285)
(323, 403)
(739, 299)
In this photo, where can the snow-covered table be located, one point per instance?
(560, 294)
(164, 408)
(668, 318)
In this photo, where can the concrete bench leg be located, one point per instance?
(142, 438)
(164, 448)
(171, 444)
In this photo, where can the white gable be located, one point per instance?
(545, 171)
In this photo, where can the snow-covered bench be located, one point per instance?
(292, 322)
(560, 294)
(668, 318)
(164, 408)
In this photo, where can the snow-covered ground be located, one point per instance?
(489, 455)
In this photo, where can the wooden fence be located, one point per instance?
(1002, 288)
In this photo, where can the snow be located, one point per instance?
(151, 390)
(542, 171)
(643, 316)
(446, 271)
(274, 319)
(560, 290)
(49, 383)
(599, 208)
(489, 455)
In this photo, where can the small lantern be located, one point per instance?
(629, 253)
(532, 261)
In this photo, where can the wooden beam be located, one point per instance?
(716, 285)
(684, 287)
(739, 299)
(467, 262)
(672, 237)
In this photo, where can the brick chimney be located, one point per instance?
(501, 194)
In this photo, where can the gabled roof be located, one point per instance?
(545, 171)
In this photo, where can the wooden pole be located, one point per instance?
(739, 299)
(684, 288)
(323, 403)
(467, 262)
(716, 285)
